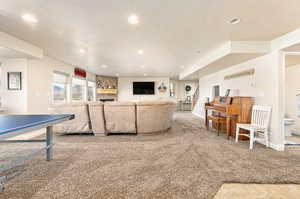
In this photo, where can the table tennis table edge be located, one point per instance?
(48, 140)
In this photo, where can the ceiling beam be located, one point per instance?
(228, 54)
(10, 42)
(286, 41)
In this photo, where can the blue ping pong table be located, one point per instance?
(12, 124)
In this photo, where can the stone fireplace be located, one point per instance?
(107, 88)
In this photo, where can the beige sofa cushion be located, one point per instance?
(96, 110)
(80, 124)
(120, 117)
(155, 102)
(119, 104)
(154, 116)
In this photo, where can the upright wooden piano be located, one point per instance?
(234, 109)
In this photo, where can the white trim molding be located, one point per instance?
(198, 115)
(13, 43)
(227, 54)
(277, 147)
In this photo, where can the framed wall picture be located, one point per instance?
(14, 81)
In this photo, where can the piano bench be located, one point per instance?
(218, 120)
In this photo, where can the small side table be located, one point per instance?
(186, 106)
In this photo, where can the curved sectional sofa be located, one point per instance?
(116, 117)
(81, 122)
(154, 116)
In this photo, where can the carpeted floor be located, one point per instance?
(184, 162)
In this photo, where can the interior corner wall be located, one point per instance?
(125, 88)
(180, 93)
(14, 100)
(292, 93)
(265, 86)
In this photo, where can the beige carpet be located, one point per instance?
(258, 191)
(185, 162)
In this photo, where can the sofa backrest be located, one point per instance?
(81, 122)
(99, 117)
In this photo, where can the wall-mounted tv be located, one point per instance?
(143, 88)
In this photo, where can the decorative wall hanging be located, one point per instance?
(80, 72)
(188, 88)
(162, 88)
(103, 84)
(14, 81)
(240, 74)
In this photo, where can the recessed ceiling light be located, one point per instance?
(82, 51)
(104, 66)
(145, 74)
(142, 66)
(140, 52)
(133, 19)
(117, 74)
(29, 18)
(234, 21)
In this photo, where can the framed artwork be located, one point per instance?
(14, 81)
(227, 93)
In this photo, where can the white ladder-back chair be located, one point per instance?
(260, 120)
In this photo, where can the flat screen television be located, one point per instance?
(143, 88)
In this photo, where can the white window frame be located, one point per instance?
(172, 89)
(87, 88)
(84, 92)
(67, 87)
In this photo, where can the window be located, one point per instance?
(91, 91)
(172, 89)
(78, 89)
(60, 87)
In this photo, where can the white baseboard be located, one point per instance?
(198, 115)
(277, 147)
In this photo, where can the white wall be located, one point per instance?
(37, 77)
(180, 93)
(40, 82)
(264, 86)
(125, 88)
(292, 88)
(14, 100)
